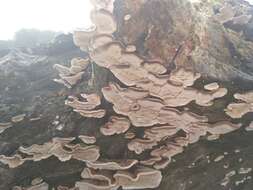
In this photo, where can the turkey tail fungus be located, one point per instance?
(165, 77)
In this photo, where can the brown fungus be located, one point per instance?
(86, 108)
(212, 86)
(221, 128)
(104, 21)
(237, 110)
(141, 178)
(140, 145)
(12, 161)
(116, 125)
(112, 164)
(91, 113)
(61, 148)
(94, 185)
(70, 76)
(92, 101)
(101, 175)
(87, 139)
(183, 77)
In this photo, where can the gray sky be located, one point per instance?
(57, 15)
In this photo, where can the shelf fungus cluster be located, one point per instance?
(70, 76)
(115, 174)
(147, 100)
(86, 105)
(242, 107)
(62, 148)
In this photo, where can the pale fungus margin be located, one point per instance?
(239, 109)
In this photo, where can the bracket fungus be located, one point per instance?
(142, 178)
(87, 139)
(212, 86)
(151, 101)
(70, 76)
(116, 125)
(12, 161)
(87, 107)
(112, 164)
(58, 147)
(237, 110)
(139, 177)
(140, 145)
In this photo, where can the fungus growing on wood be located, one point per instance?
(140, 145)
(162, 164)
(70, 76)
(36, 181)
(44, 151)
(183, 77)
(158, 133)
(104, 21)
(18, 118)
(128, 68)
(92, 113)
(144, 112)
(4, 126)
(129, 135)
(112, 164)
(146, 101)
(141, 178)
(155, 68)
(86, 153)
(151, 161)
(130, 48)
(97, 179)
(116, 125)
(167, 151)
(91, 102)
(58, 147)
(212, 86)
(12, 161)
(99, 35)
(82, 38)
(86, 108)
(221, 128)
(99, 41)
(237, 110)
(87, 139)
(95, 185)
